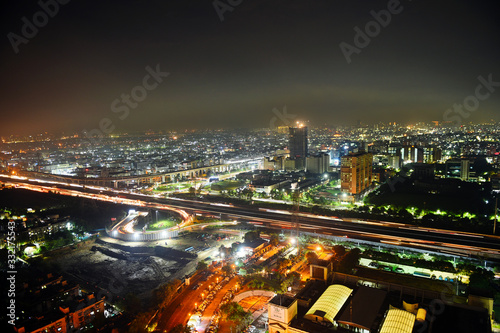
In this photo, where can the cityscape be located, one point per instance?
(216, 167)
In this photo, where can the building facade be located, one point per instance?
(319, 163)
(356, 172)
(298, 142)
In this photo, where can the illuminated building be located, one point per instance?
(356, 172)
(458, 169)
(298, 142)
(339, 308)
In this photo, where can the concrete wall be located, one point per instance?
(250, 293)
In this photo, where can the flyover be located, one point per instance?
(150, 178)
(461, 243)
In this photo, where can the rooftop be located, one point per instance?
(363, 308)
(282, 300)
(255, 243)
(398, 321)
(330, 303)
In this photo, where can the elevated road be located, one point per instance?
(379, 231)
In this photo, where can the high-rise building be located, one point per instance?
(394, 161)
(412, 154)
(298, 142)
(356, 172)
(318, 163)
(431, 154)
(458, 168)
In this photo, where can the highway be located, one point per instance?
(379, 231)
(382, 231)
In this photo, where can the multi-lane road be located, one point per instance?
(379, 231)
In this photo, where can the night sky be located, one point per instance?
(232, 73)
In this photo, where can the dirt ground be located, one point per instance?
(95, 270)
(104, 266)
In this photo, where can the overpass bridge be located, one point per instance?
(117, 182)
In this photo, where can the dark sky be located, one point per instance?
(232, 73)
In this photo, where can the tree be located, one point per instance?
(234, 247)
(349, 261)
(165, 293)
(282, 263)
(274, 240)
(480, 283)
(251, 236)
(311, 256)
(234, 312)
(201, 266)
(138, 325)
(294, 277)
(291, 279)
(339, 251)
(276, 194)
(227, 269)
(248, 193)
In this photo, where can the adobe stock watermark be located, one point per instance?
(372, 29)
(30, 29)
(471, 103)
(11, 273)
(122, 105)
(225, 6)
(284, 117)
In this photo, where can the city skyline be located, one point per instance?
(231, 66)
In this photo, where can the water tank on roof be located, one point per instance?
(421, 314)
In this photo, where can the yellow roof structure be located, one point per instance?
(398, 321)
(330, 303)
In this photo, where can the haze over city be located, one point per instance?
(233, 72)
